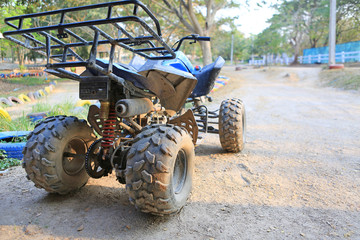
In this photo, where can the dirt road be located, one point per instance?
(298, 177)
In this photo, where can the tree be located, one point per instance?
(315, 16)
(177, 19)
(197, 17)
(347, 21)
(305, 23)
(289, 21)
(270, 41)
(223, 44)
(8, 9)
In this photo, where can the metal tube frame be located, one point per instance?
(202, 116)
(153, 41)
(129, 42)
(64, 28)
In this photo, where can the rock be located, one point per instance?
(348, 234)
(292, 77)
(32, 229)
(80, 228)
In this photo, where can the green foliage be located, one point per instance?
(54, 110)
(10, 8)
(199, 17)
(65, 108)
(19, 124)
(270, 41)
(25, 124)
(32, 55)
(2, 52)
(348, 79)
(28, 81)
(192, 17)
(15, 140)
(6, 162)
(22, 67)
(221, 46)
(301, 24)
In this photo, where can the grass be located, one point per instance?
(14, 140)
(25, 124)
(6, 162)
(19, 124)
(31, 81)
(28, 81)
(348, 78)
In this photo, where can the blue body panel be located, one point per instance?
(205, 77)
(181, 62)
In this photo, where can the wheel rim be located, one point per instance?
(180, 170)
(73, 156)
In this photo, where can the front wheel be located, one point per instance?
(159, 169)
(232, 125)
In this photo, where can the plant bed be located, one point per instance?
(11, 146)
(7, 162)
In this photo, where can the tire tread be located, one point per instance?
(231, 125)
(38, 161)
(147, 167)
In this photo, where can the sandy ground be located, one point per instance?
(298, 177)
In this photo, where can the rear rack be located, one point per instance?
(58, 41)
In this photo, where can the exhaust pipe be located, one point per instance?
(133, 107)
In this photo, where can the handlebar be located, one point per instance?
(207, 39)
(194, 37)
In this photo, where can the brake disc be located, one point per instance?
(93, 159)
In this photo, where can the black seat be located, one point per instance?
(206, 78)
(124, 71)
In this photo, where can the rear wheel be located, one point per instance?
(54, 156)
(159, 169)
(232, 125)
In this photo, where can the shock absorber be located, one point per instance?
(108, 130)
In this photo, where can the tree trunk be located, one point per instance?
(296, 55)
(21, 56)
(206, 51)
(296, 52)
(12, 55)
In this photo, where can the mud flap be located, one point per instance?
(172, 86)
(187, 120)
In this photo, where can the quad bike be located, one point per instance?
(140, 127)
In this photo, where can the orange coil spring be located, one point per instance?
(109, 130)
